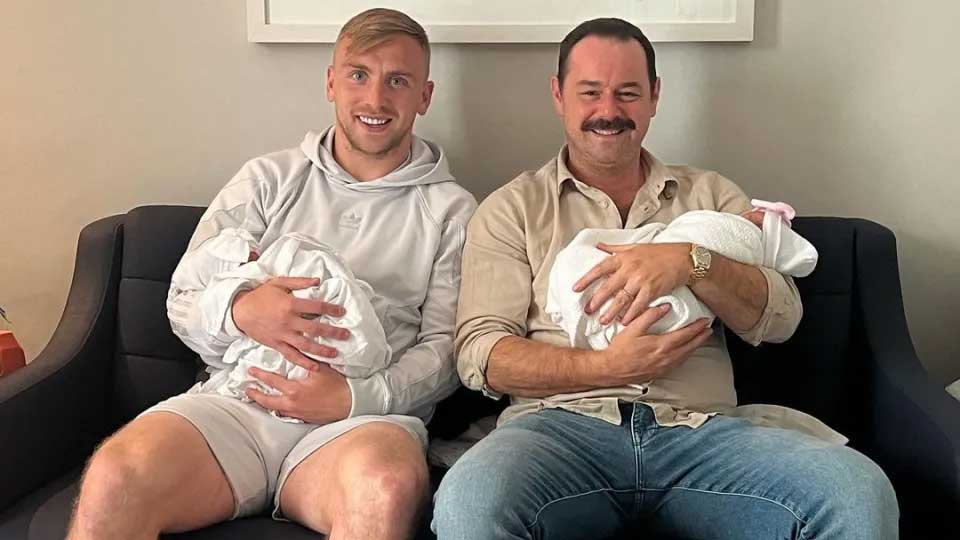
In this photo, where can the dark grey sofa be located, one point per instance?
(851, 363)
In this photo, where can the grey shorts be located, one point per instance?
(257, 451)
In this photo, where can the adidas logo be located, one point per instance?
(351, 220)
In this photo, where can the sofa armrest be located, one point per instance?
(53, 411)
(913, 429)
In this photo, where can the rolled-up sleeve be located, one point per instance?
(495, 290)
(783, 311)
(782, 314)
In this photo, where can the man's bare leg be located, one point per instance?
(155, 475)
(370, 483)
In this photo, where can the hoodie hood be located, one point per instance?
(427, 164)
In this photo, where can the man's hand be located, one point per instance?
(273, 317)
(635, 356)
(637, 274)
(320, 398)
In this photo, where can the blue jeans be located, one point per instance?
(558, 475)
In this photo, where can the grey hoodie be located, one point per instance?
(402, 233)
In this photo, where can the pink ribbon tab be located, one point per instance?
(783, 209)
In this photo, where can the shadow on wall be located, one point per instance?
(801, 117)
(721, 104)
(931, 310)
(505, 122)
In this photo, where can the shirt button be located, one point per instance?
(604, 204)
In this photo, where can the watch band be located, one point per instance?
(700, 266)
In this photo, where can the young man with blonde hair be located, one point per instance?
(354, 468)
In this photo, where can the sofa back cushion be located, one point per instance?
(814, 371)
(151, 363)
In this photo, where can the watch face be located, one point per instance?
(702, 255)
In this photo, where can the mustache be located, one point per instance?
(616, 123)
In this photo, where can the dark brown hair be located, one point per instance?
(609, 28)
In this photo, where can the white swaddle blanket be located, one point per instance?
(776, 246)
(363, 353)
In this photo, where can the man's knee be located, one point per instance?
(117, 469)
(392, 482)
(466, 484)
(391, 491)
(138, 463)
(861, 500)
(113, 492)
(477, 497)
(874, 495)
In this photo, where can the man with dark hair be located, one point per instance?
(643, 436)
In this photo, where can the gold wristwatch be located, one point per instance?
(701, 257)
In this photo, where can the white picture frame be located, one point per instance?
(319, 21)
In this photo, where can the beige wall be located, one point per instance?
(842, 108)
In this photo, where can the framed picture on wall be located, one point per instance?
(505, 21)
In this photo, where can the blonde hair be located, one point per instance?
(374, 26)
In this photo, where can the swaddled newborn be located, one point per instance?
(233, 254)
(774, 245)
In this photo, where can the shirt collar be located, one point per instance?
(660, 180)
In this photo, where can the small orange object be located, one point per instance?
(11, 353)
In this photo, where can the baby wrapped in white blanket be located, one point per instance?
(775, 246)
(232, 254)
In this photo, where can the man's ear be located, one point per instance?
(331, 96)
(655, 96)
(557, 93)
(426, 96)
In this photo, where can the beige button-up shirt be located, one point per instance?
(512, 241)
